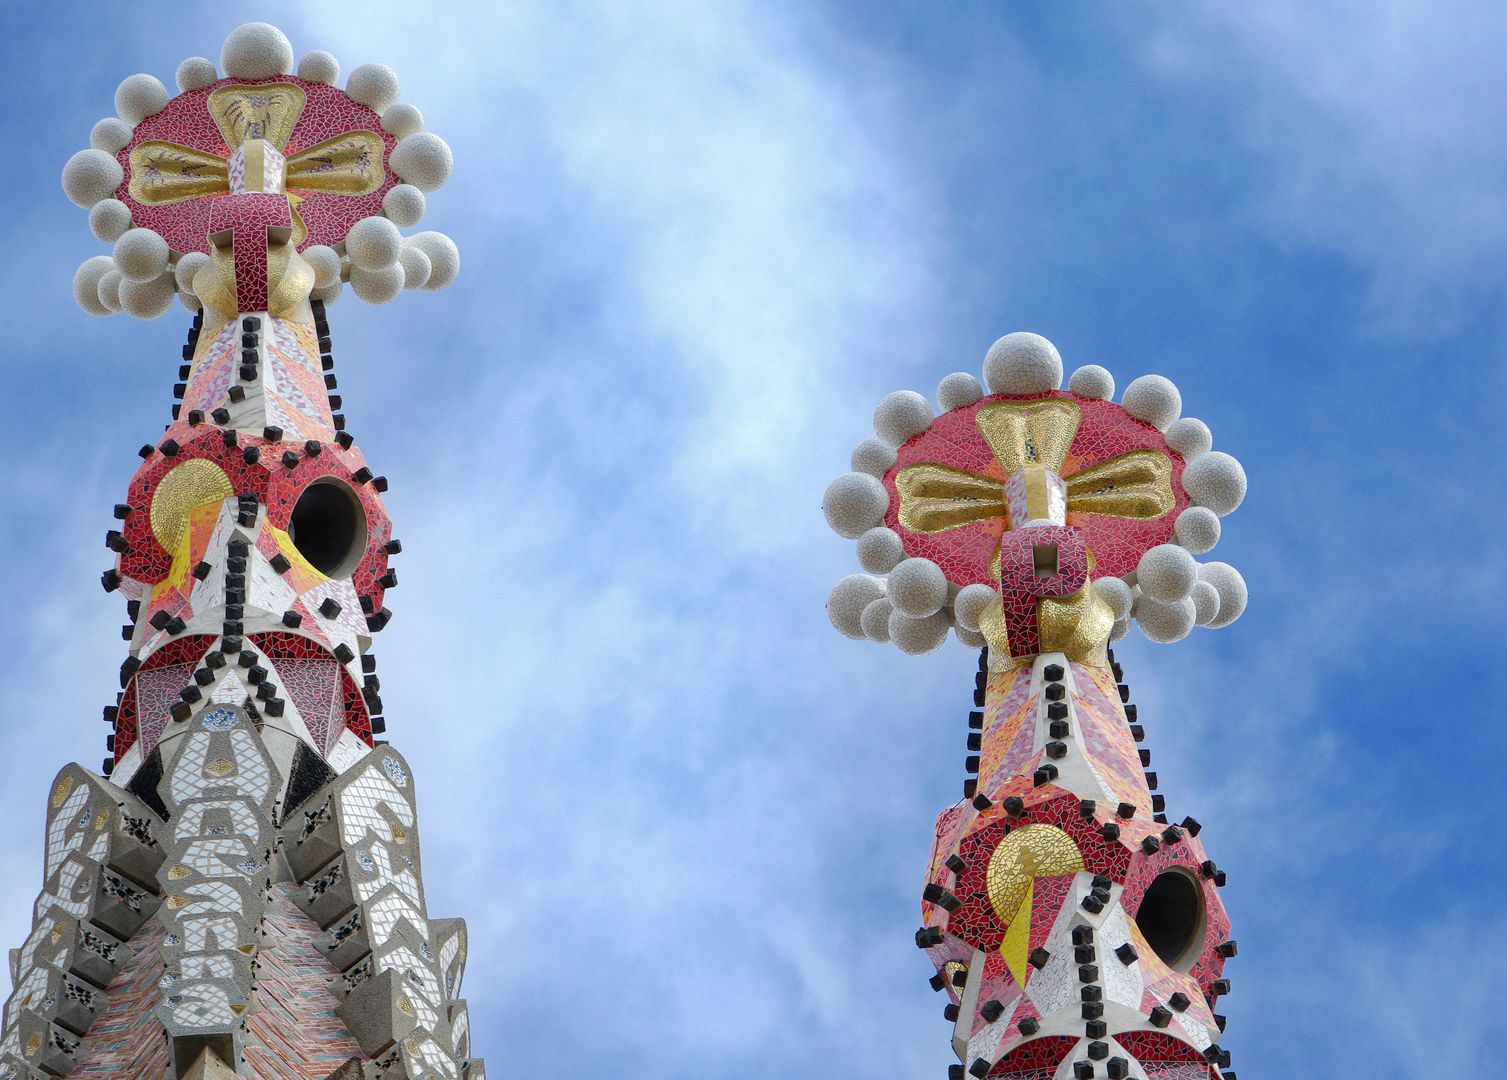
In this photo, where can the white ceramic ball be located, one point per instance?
(319, 67)
(189, 264)
(957, 390)
(138, 97)
(1092, 381)
(1154, 399)
(880, 550)
(423, 160)
(329, 294)
(917, 636)
(404, 205)
(325, 262)
(377, 286)
(190, 302)
(402, 120)
(416, 267)
(91, 175)
(901, 416)
(1231, 588)
(847, 600)
(141, 254)
(444, 258)
(1022, 363)
(147, 299)
(256, 50)
(873, 457)
(1119, 629)
(972, 638)
(1190, 437)
(917, 587)
(1205, 603)
(1166, 573)
(109, 288)
(1215, 480)
(110, 135)
(1116, 596)
(373, 85)
(196, 73)
(109, 219)
(875, 621)
(1197, 529)
(1163, 622)
(854, 503)
(373, 243)
(86, 284)
(972, 601)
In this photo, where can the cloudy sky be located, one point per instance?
(686, 821)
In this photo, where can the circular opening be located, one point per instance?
(328, 527)
(1171, 918)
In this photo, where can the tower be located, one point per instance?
(241, 892)
(1076, 931)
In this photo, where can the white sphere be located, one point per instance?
(329, 294)
(1166, 573)
(917, 636)
(1215, 480)
(1189, 437)
(901, 416)
(422, 159)
(854, 503)
(109, 219)
(190, 302)
(1153, 399)
(187, 266)
(1165, 622)
(847, 600)
(373, 243)
(86, 283)
(196, 73)
(875, 621)
(373, 85)
(1231, 588)
(108, 290)
(873, 457)
(138, 97)
(970, 604)
(256, 50)
(1092, 381)
(1116, 595)
(880, 550)
(1205, 603)
(444, 258)
(141, 254)
(147, 299)
(972, 638)
(1197, 529)
(402, 120)
(1022, 363)
(416, 267)
(91, 175)
(404, 205)
(110, 135)
(377, 286)
(1119, 630)
(325, 262)
(957, 390)
(319, 67)
(917, 587)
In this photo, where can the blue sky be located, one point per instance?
(686, 821)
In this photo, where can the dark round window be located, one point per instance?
(328, 527)
(1171, 918)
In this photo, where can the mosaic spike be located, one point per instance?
(241, 894)
(1075, 930)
